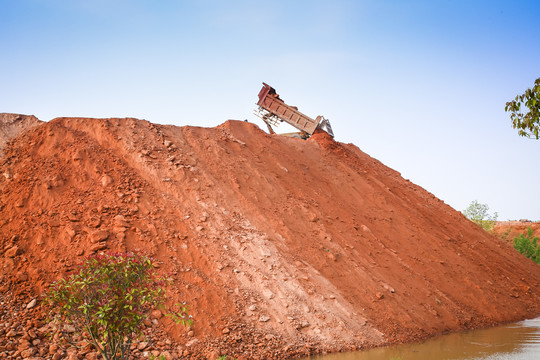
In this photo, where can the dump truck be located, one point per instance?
(273, 110)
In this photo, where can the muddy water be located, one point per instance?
(519, 341)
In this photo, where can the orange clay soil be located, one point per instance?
(282, 247)
(508, 230)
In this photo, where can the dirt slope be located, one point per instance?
(283, 247)
(12, 125)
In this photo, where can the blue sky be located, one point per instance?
(419, 85)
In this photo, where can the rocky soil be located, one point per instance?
(282, 247)
(12, 125)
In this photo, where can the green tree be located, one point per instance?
(528, 245)
(478, 213)
(107, 299)
(526, 119)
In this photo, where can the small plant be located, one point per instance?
(107, 299)
(478, 213)
(528, 245)
(505, 235)
(154, 357)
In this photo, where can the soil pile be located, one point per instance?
(282, 247)
(12, 125)
(508, 230)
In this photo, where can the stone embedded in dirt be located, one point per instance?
(98, 247)
(22, 276)
(70, 232)
(69, 328)
(94, 222)
(264, 318)
(53, 348)
(166, 355)
(106, 180)
(13, 251)
(74, 217)
(155, 314)
(121, 221)
(25, 354)
(31, 304)
(100, 235)
(192, 342)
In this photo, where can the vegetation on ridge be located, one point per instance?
(528, 245)
(478, 213)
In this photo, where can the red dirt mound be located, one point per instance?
(12, 125)
(282, 247)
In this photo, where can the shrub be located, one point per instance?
(528, 245)
(478, 213)
(107, 299)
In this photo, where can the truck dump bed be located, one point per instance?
(269, 100)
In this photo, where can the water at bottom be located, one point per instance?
(519, 341)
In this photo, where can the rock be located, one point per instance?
(91, 356)
(252, 307)
(13, 251)
(100, 235)
(69, 328)
(74, 217)
(192, 342)
(28, 352)
(167, 355)
(167, 143)
(106, 180)
(21, 276)
(77, 156)
(94, 222)
(142, 345)
(225, 331)
(70, 232)
(99, 246)
(156, 314)
(31, 304)
(121, 221)
(264, 318)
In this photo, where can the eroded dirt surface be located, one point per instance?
(282, 247)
